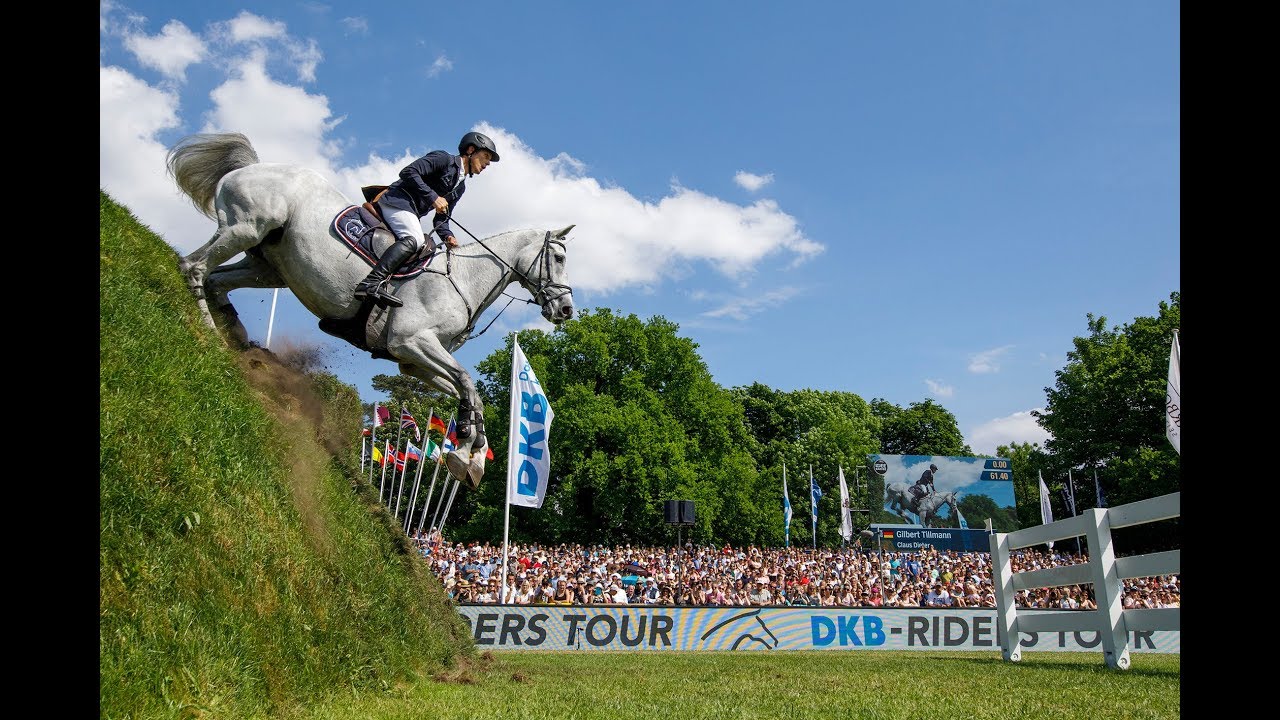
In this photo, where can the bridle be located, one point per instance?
(544, 290)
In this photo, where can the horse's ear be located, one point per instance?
(561, 233)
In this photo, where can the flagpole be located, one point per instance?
(431, 491)
(506, 495)
(417, 476)
(449, 507)
(1173, 396)
(814, 502)
(786, 501)
(426, 507)
(373, 438)
(1071, 489)
(363, 441)
(272, 320)
(393, 460)
(405, 471)
(382, 483)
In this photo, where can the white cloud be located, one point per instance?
(248, 28)
(442, 64)
(988, 361)
(356, 25)
(1020, 427)
(939, 388)
(620, 240)
(170, 52)
(741, 308)
(752, 182)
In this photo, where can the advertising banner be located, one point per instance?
(652, 628)
(910, 538)
(941, 491)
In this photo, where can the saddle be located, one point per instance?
(364, 231)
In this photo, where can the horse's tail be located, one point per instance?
(198, 162)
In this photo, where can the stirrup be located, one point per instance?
(380, 297)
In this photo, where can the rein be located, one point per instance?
(540, 297)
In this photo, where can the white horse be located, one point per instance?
(901, 501)
(282, 216)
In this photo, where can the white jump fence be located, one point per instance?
(1104, 570)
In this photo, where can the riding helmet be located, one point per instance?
(480, 140)
(933, 467)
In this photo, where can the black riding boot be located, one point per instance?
(373, 285)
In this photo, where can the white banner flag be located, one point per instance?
(1173, 396)
(846, 518)
(528, 451)
(1046, 511)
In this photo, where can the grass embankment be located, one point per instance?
(241, 573)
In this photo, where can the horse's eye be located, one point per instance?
(559, 258)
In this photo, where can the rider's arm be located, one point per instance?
(441, 222)
(414, 175)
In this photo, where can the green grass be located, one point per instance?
(242, 575)
(240, 570)
(725, 686)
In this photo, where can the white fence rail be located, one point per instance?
(1112, 622)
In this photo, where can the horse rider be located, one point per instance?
(432, 182)
(924, 486)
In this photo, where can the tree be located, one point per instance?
(1106, 412)
(1106, 409)
(923, 428)
(638, 420)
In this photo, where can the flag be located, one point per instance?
(886, 534)
(528, 445)
(1173, 396)
(407, 421)
(436, 423)
(399, 460)
(1046, 511)
(366, 432)
(377, 455)
(451, 437)
(381, 415)
(786, 506)
(433, 450)
(412, 453)
(846, 517)
(816, 493)
(1069, 494)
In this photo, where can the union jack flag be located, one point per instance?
(407, 421)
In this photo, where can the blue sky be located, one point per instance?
(900, 200)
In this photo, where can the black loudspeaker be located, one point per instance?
(671, 510)
(686, 512)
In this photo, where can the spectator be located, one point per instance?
(619, 596)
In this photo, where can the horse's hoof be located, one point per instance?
(475, 471)
(458, 466)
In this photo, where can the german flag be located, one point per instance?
(887, 534)
(436, 423)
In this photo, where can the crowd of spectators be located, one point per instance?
(706, 575)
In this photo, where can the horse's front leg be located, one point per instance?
(230, 240)
(250, 272)
(422, 356)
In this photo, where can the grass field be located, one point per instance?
(724, 685)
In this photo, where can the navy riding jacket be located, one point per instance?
(436, 174)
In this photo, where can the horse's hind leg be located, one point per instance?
(251, 272)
